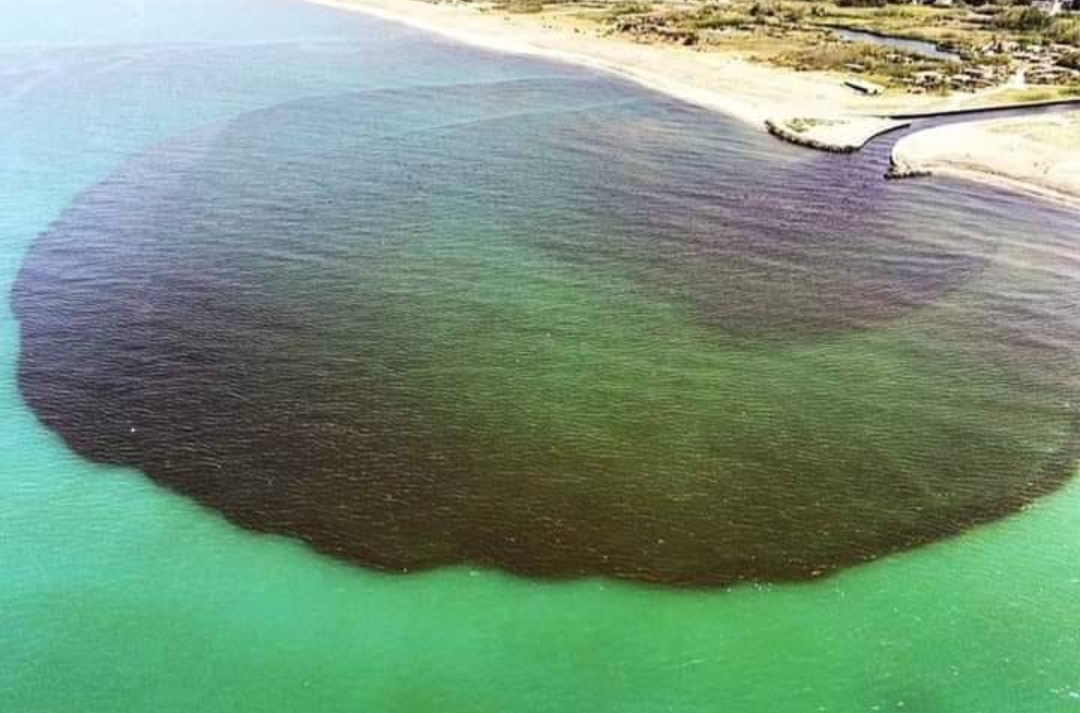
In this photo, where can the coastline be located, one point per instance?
(813, 109)
(749, 91)
(1036, 155)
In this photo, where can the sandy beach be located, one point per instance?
(727, 82)
(828, 114)
(1039, 155)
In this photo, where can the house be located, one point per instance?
(928, 79)
(1050, 7)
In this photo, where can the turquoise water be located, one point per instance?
(117, 595)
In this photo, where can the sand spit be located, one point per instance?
(1039, 155)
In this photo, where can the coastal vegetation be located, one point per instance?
(885, 66)
(974, 45)
(523, 7)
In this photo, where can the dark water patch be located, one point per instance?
(558, 327)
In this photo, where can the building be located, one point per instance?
(1050, 7)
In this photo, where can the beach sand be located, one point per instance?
(728, 82)
(839, 118)
(1039, 154)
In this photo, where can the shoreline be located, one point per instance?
(1028, 155)
(726, 82)
(425, 18)
(426, 22)
(811, 109)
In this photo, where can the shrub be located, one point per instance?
(1027, 19)
(1071, 60)
(763, 9)
(794, 13)
(718, 22)
(628, 8)
(524, 7)
(1065, 31)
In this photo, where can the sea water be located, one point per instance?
(566, 297)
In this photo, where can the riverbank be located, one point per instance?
(1039, 155)
(815, 109)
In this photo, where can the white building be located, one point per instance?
(1050, 7)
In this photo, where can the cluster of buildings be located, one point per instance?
(964, 79)
(1038, 64)
(1053, 7)
(954, 76)
(993, 65)
(1050, 7)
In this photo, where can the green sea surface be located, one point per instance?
(116, 595)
